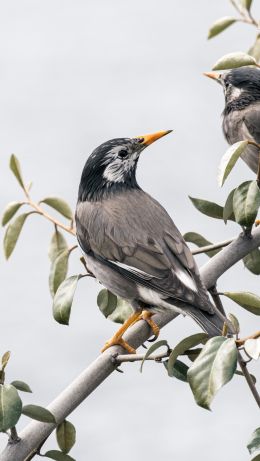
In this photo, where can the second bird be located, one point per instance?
(131, 244)
(241, 116)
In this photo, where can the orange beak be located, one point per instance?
(214, 75)
(148, 139)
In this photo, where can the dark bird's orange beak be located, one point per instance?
(148, 139)
(213, 75)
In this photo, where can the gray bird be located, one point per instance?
(131, 244)
(241, 116)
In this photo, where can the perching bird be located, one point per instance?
(241, 116)
(131, 244)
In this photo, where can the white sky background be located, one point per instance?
(75, 74)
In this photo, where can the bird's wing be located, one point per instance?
(252, 123)
(133, 233)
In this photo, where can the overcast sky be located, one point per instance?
(75, 74)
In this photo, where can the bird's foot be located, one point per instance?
(257, 222)
(117, 341)
(146, 315)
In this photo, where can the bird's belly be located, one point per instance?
(111, 279)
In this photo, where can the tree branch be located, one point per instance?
(33, 435)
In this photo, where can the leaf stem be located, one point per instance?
(214, 246)
(248, 378)
(46, 215)
(118, 359)
(14, 438)
(242, 341)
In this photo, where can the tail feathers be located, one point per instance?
(212, 324)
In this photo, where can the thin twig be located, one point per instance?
(14, 438)
(217, 300)
(46, 215)
(249, 379)
(242, 341)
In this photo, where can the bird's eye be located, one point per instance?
(123, 153)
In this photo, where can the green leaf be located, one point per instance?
(252, 348)
(246, 202)
(10, 406)
(122, 311)
(5, 359)
(58, 456)
(10, 211)
(229, 160)
(66, 436)
(255, 49)
(220, 25)
(200, 241)
(38, 413)
(228, 212)
(21, 386)
(254, 442)
(58, 271)
(152, 349)
(246, 4)
(234, 60)
(63, 299)
(234, 322)
(59, 205)
(106, 302)
(16, 169)
(214, 367)
(178, 371)
(193, 353)
(183, 346)
(208, 208)
(252, 261)
(248, 301)
(12, 234)
(57, 245)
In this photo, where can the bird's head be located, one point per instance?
(112, 166)
(241, 86)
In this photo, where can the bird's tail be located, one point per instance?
(212, 324)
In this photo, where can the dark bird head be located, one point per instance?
(112, 166)
(241, 86)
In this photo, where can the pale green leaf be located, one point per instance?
(58, 271)
(246, 202)
(59, 205)
(178, 371)
(228, 212)
(183, 346)
(10, 211)
(63, 299)
(106, 302)
(152, 349)
(211, 209)
(12, 234)
(229, 160)
(10, 406)
(58, 244)
(122, 311)
(246, 4)
(252, 261)
(5, 359)
(21, 386)
(247, 300)
(16, 169)
(58, 456)
(200, 241)
(220, 25)
(214, 367)
(235, 323)
(39, 413)
(254, 442)
(234, 60)
(66, 436)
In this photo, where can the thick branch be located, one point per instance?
(103, 366)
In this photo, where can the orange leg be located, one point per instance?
(146, 315)
(117, 338)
